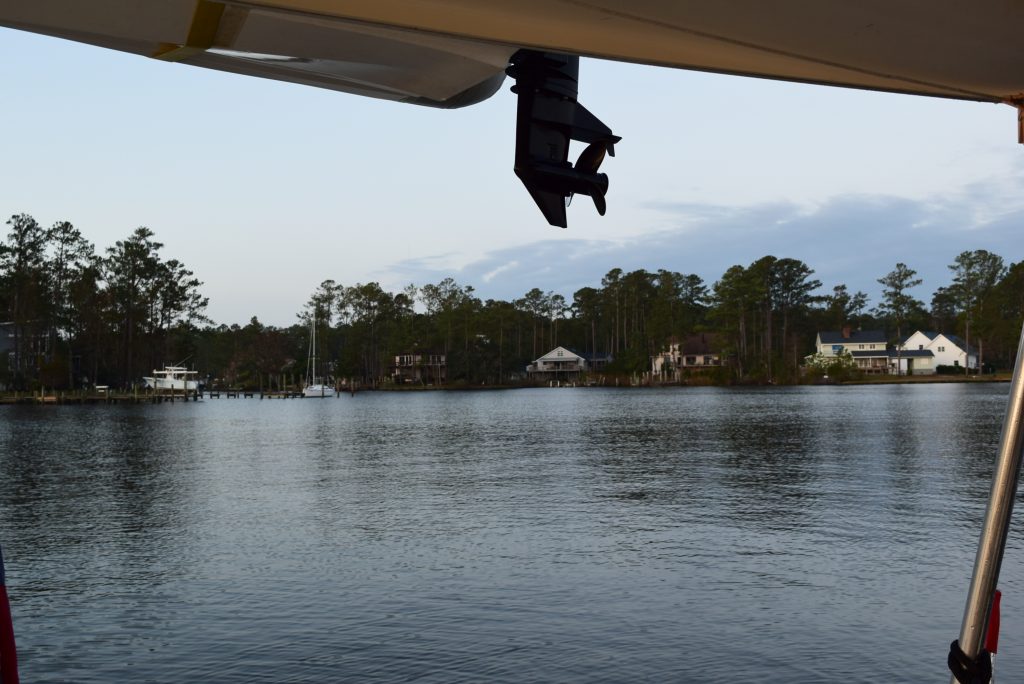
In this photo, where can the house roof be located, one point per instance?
(891, 354)
(932, 335)
(959, 341)
(856, 336)
(553, 354)
(700, 343)
(913, 354)
(697, 343)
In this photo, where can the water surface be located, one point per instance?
(814, 534)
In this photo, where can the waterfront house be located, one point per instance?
(869, 348)
(424, 367)
(699, 351)
(597, 361)
(935, 349)
(561, 364)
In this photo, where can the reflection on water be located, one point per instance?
(734, 535)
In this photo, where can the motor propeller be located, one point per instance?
(548, 118)
(589, 162)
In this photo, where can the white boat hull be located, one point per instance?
(170, 384)
(172, 378)
(318, 391)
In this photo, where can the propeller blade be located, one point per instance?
(591, 158)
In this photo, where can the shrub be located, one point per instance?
(838, 368)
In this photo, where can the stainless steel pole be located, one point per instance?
(997, 517)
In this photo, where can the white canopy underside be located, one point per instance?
(453, 52)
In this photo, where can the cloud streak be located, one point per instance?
(852, 239)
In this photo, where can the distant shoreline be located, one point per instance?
(928, 379)
(79, 397)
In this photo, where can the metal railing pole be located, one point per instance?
(997, 517)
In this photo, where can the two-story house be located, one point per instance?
(695, 352)
(559, 364)
(936, 349)
(869, 348)
(428, 368)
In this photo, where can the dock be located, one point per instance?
(144, 397)
(94, 397)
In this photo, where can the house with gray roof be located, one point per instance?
(925, 351)
(919, 354)
(869, 348)
(697, 352)
(560, 364)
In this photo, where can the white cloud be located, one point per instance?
(489, 276)
(852, 239)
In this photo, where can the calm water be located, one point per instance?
(717, 535)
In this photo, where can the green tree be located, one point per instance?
(611, 290)
(897, 303)
(132, 267)
(975, 275)
(70, 256)
(535, 303)
(792, 295)
(587, 308)
(943, 310)
(24, 278)
(735, 295)
(177, 307)
(843, 308)
(1007, 312)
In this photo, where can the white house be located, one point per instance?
(945, 350)
(696, 352)
(869, 348)
(558, 364)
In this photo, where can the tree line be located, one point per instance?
(76, 317)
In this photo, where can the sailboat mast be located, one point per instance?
(311, 354)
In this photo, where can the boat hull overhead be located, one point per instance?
(453, 52)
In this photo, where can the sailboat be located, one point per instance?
(315, 387)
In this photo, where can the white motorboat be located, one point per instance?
(172, 378)
(315, 387)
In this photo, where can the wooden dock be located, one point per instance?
(105, 396)
(90, 397)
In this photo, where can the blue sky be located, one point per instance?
(265, 189)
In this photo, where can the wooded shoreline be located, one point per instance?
(84, 397)
(77, 318)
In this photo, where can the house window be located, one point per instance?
(942, 349)
(956, 362)
(872, 346)
(920, 346)
(559, 353)
(862, 346)
(691, 360)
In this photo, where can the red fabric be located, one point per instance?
(8, 654)
(992, 633)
